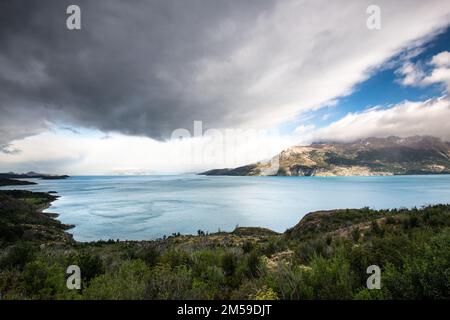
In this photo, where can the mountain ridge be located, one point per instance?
(364, 157)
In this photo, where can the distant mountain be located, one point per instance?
(365, 157)
(31, 175)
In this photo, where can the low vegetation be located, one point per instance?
(325, 256)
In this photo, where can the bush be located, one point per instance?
(9, 233)
(253, 264)
(166, 283)
(44, 280)
(90, 265)
(150, 256)
(19, 255)
(376, 229)
(129, 282)
(422, 276)
(304, 252)
(356, 235)
(289, 281)
(228, 264)
(247, 246)
(202, 260)
(175, 258)
(314, 247)
(330, 278)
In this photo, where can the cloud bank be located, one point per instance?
(406, 119)
(429, 117)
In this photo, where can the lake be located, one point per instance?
(148, 207)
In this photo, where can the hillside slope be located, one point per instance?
(365, 157)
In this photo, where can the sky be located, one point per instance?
(162, 87)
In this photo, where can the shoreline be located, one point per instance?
(248, 231)
(69, 226)
(72, 225)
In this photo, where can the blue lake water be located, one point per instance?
(148, 207)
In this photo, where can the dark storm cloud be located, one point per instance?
(126, 70)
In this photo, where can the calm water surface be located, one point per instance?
(148, 207)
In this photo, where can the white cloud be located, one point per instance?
(441, 59)
(73, 153)
(302, 129)
(406, 119)
(441, 72)
(411, 74)
(416, 75)
(310, 56)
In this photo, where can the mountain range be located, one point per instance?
(364, 157)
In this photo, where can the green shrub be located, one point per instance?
(10, 233)
(304, 252)
(247, 246)
(228, 263)
(174, 258)
(129, 282)
(289, 282)
(90, 265)
(150, 255)
(167, 283)
(253, 264)
(18, 255)
(330, 278)
(356, 234)
(44, 280)
(202, 260)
